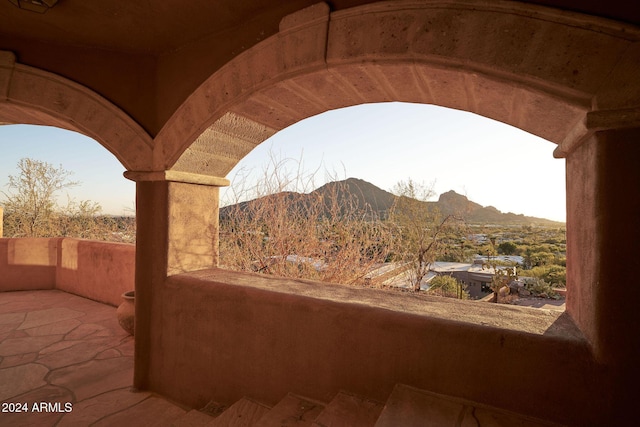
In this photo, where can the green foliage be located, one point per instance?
(501, 278)
(447, 286)
(409, 231)
(552, 274)
(538, 287)
(507, 248)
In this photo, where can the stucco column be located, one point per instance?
(603, 233)
(177, 231)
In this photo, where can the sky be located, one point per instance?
(98, 171)
(489, 162)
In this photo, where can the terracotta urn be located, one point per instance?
(126, 312)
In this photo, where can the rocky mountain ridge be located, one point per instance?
(380, 201)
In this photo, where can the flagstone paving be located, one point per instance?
(65, 361)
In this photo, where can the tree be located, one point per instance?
(31, 203)
(502, 277)
(286, 232)
(419, 229)
(32, 208)
(507, 248)
(447, 286)
(80, 220)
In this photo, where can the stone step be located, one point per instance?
(349, 410)
(411, 407)
(292, 411)
(244, 413)
(214, 408)
(193, 418)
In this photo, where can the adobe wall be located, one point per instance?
(533, 68)
(28, 263)
(100, 271)
(266, 337)
(223, 337)
(96, 270)
(603, 207)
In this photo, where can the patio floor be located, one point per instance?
(65, 361)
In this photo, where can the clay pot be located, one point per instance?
(126, 312)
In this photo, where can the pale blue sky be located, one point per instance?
(97, 170)
(489, 162)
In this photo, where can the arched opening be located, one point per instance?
(37, 97)
(68, 214)
(89, 184)
(384, 142)
(406, 52)
(540, 79)
(569, 78)
(62, 271)
(544, 78)
(502, 176)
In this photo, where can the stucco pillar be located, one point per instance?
(177, 231)
(603, 233)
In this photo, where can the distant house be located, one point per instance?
(476, 276)
(515, 259)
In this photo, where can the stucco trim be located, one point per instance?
(32, 96)
(177, 176)
(533, 67)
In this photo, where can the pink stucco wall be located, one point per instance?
(28, 264)
(99, 271)
(96, 270)
(227, 334)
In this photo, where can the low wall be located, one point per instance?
(96, 270)
(267, 337)
(28, 264)
(101, 271)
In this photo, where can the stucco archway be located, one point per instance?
(32, 96)
(568, 78)
(559, 75)
(535, 68)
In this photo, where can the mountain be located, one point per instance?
(454, 203)
(364, 194)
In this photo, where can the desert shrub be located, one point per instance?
(288, 231)
(447, 286)
(538, 287)
(555, 275)
(507, 248)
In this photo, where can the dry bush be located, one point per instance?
(287, 231)
(420, 230)
(31, 208)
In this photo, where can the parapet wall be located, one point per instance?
(100, 271)
(227, 334)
